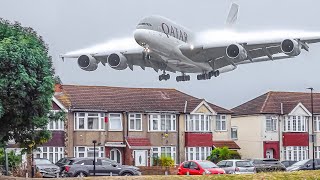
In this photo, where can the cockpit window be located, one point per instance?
(144, 24)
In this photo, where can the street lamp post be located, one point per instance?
(94, 157)
(312, 124)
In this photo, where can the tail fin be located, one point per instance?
(233, 15)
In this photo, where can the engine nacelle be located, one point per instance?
(236, 51)
(87, 63)
(227, 69)
(291, 47)
(117, 61)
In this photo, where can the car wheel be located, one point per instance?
(81, 174)
(127, 174)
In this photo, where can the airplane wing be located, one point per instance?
(215, 54)
(126, 47)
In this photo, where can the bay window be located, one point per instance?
(316, 121)
(89, 121)
(317, 152)
(54, 154)
(166, 151)
(221, 123)
(198, 122)
(85, 151)
(115, 122)
(135, 122)
(295, 153)
(295, 124)
(162, 122)
(197, 153)
(271, 123)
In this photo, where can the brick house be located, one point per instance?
(135, 125)
(277, 125)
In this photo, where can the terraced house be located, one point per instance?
(277, 125)
(134, 125)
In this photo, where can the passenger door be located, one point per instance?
(110, 167)
(194, 169)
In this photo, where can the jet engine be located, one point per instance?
(291, 47)
(117, 61)
(87, 63)
(236, 51)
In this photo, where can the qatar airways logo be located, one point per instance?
(174, 32)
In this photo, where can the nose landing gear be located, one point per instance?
(164, 76)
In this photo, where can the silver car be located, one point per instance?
(46, 167)
(237, 166)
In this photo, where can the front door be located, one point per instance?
(140, 157)
(269, 154)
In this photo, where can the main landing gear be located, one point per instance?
(183, 78)
(164, 76)
(206, 76)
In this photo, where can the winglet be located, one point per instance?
(233, 15)
(62, 57)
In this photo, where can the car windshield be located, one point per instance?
(207, 164)
(42, 161)
(300, 163)
(244, 164)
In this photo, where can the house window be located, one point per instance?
(198, 122)
(295, 124)
(55, 125)
(167, 151)
(317, 152)
(135, 122)
(89, 121)
(295, 153)
(54, 154)
(271, 123)
(234, 133)
(197, 153)
(316, 121)
(115, 122)
(221, 122)
(162, 122)
(85, 151)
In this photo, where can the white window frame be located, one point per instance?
(99, 149)
(221, 119)
(45, 152)
(316, 121)
(57, 125)
(236, 130)
(296, 124)
(159, 152)
(192, 152)
(77, 117)
(109, 122)
(135, 121)
(158, 118)
(204, 124)
(317, 152)
(295, 153)
(271, 121)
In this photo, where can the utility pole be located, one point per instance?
(94, 157)
(312, 126)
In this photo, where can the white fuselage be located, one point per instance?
(164, 37)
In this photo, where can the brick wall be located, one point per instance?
(157, 170)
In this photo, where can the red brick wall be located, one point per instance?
(271, 145)
(55, 106)
(128, 156)
(295, 139)
(198, 139)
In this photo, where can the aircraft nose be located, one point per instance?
(141, 36)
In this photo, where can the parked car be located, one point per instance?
(288, 163)
(46, 167)
(199, 168)
(268, 165)
(82, 167)
(304, 165)
(61, 163)
(237, 166)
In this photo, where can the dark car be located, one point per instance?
(268, 165)
(304, 165)
(288, 163)
(82, 167)
(199, 168)
(46, 167)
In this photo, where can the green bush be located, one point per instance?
(218, 154)
(13, 159)
(166, 161)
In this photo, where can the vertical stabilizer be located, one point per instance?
(233, 15)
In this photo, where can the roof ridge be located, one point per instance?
(120, 87)
(265, 101)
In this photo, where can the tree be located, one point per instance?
(218, 154)
(26, 86)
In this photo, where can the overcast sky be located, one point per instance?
(68, 25)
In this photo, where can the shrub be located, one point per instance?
(166, 161)
(218, 154)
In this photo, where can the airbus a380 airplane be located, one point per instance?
(167, 46)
